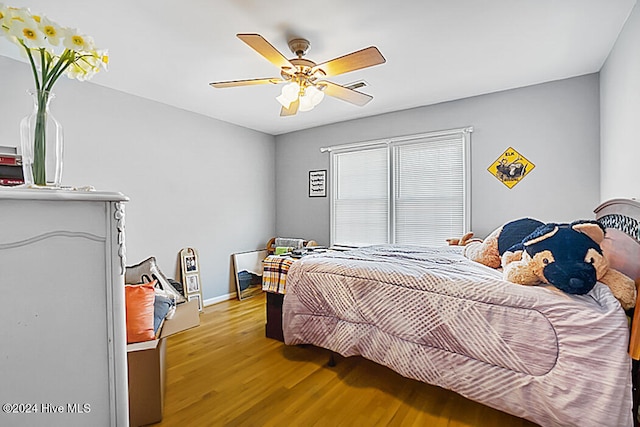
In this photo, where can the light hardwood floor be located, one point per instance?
(227, 373)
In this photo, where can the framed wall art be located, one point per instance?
(511, 167)
(318, 183)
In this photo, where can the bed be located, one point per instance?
(432, 315)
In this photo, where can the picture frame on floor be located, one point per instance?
(193, 284)
(196, 297)
(190, 264)
(190, 275)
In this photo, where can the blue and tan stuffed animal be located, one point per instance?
(567, 256)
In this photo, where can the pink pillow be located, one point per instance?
(139, 301)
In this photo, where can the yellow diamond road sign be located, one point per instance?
(511, 167)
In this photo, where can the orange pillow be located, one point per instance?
(139, 301)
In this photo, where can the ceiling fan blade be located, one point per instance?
(344, 93)
(249, 82)
(364, 58)
(264, 48)
(292, 110)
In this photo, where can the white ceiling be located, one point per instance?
(436, 50)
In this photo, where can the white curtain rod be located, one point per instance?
(376, 142)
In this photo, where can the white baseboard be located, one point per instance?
(210, 301)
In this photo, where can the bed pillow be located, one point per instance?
(148, 270)
(139, 304)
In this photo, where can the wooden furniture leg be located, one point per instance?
(273, 328)
(332, 360)
(635, 371)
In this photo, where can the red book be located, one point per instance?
(10, 160)
(11, 181)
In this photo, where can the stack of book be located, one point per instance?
(10, 167)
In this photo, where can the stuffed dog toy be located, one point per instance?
(489, 251)
(567, 256)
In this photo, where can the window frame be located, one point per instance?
(390, 144)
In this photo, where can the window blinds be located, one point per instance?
(410, 190)
(429, 194)
(360, 210)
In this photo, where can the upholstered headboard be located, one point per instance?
(621, 219)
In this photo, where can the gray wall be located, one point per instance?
(620, 114)
(554, 125)
(193, 181)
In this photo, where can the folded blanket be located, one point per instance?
(274, 274)
(288, 242)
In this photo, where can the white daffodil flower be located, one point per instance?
(51, 31)
(4, 13)
(5, 23)
(74, 40)
(76, 72)
(103, 59)
(97, 60)
(25, 28)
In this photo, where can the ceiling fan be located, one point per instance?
(305, 87)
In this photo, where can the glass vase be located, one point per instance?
(42, 143)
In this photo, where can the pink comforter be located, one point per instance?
(432, 315)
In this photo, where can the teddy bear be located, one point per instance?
(567, 256)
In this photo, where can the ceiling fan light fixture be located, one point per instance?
(312, 97)
(283, 101)
(289, 94)
(305, 104)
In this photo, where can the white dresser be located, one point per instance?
(63, 358)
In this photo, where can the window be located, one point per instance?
(361, 196)
(409, 190)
